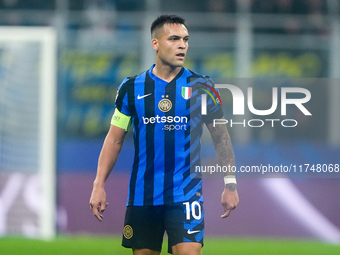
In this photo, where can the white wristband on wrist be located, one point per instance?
(230, 179)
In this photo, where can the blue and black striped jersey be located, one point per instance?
(168, 124)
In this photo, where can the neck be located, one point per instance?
(166, 73)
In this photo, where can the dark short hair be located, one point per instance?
(166, 19)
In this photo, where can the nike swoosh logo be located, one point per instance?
(140, 97)
(193, 232)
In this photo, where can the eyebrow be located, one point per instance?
(178, 37)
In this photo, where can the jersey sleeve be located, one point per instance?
(121, 117)
(121, 102)
(214, 107)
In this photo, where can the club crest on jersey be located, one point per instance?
(186, 92)
(165, 104)
(128, 232)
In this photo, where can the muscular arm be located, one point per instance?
(225, 157)
(107, 160)
(222, 143)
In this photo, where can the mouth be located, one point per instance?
(180, 55)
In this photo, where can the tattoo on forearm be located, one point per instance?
(223, 145)
(231, 186)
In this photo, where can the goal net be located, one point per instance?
(27, 131)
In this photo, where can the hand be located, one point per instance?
(229, 199)
(98, 202)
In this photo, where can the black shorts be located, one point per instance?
(145, 226)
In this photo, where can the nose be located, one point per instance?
(183, 44)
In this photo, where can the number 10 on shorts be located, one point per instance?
(192, 211)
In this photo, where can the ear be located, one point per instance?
(154, 44)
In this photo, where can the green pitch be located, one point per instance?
(82, 245)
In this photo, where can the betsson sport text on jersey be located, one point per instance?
(171, 122)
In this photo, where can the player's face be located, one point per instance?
(171, 44)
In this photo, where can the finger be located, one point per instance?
(92, 207)
(97, 214)
(95, 210)
(226, 214)
(101, 208)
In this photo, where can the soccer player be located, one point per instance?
(164, 106)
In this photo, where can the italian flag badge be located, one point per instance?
(186, 92)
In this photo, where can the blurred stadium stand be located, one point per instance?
(103, 41)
